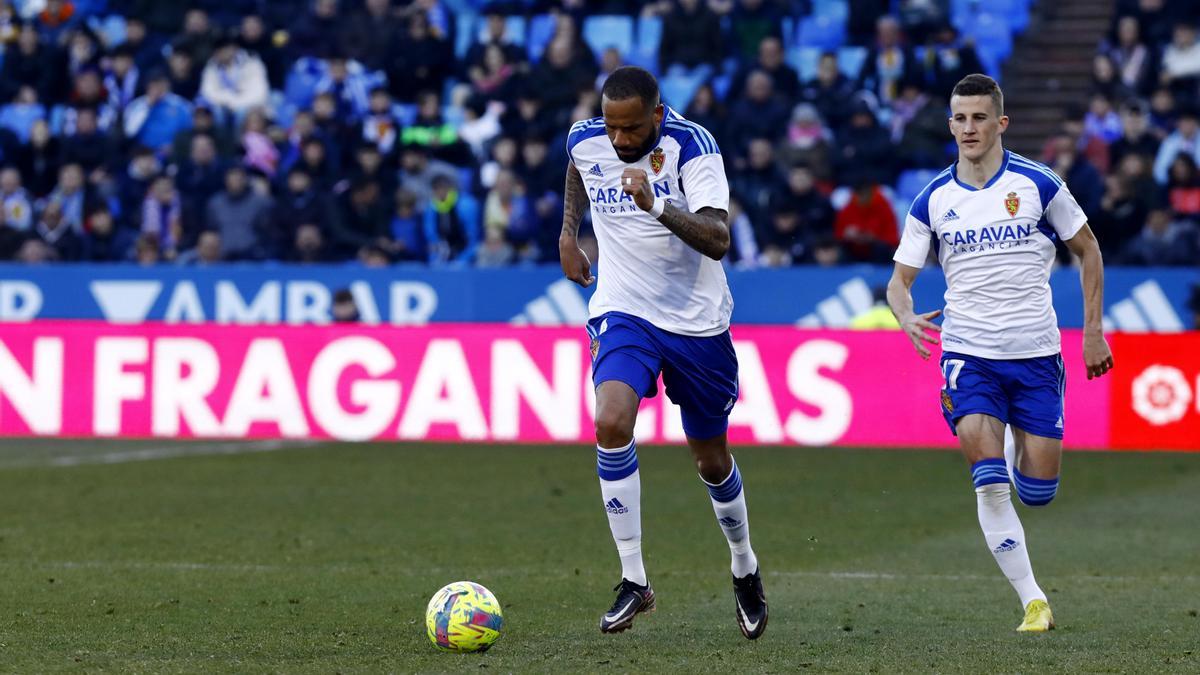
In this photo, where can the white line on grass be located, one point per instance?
(185, 449)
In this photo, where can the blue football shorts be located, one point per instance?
(1026, 393)
(700, 373)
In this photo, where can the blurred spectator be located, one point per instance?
(162, 215)
(252, 36)
(1181, 62)
(866, 225)
(948, 59)
(366, 218)
(563, 72)
(103, 241)
(814, 213)
(123, 78)
(495, 36)
(70, 196)
(87, 146)
(154, 118)
(808, 142)
(258, 148)
(827, 252)
(38, 160)
(350, 84)
(380, 126)
(493, 74)
(369, 164)
(504, 206)
(302, 202)
(757, 182)
(1165, 241)
(330, 128)
(431, 131)
(709, 113)
(1121, 216)
(31, 63)
(207, 250)
(451, 223)
(147, 249)
(528, 116)
(406, 236)
(146, 48)
(1084, 180)
(743, 248)
(691, 36)
(184, 74)
(481, 125)
(418, 171)
(234, 81)
(82, 50)
(308, 245)
(860, 24)
(316, 27)
(753, 21)
(1136, 137)
(199, 37)
(344, 309)
(919, 129)
(20, 115)
(1184, 140)
(134, 182)
(1183, 188)
(317, 162)
(1101, 121)
(889, 62)
(1131, 58)
(34, 251)
(54, 231)
(831, 92)
(864, 147)
(759, 113)
(784, 80)
(15, 208)
(418, 61)
(241, 217)
(1105, 80)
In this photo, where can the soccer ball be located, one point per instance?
(463, 617)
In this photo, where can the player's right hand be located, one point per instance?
(918, 327)
(575, 264)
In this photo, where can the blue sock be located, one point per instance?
(1035, 491)
(989, 471)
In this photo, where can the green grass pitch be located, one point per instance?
(321, 559)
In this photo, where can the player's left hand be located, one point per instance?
(1096, 355)
(635, 183)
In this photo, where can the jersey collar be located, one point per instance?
(991, 181)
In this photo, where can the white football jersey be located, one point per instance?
(644, 269)
(996, 246)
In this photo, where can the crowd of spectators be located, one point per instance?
(336, 130)
(1130, 154)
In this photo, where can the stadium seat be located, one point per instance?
(822, 32)
(721, 84)
(834, 9)
(604, 31)
(649, 37)
(541, 30)
(463, 34)
(678, 88)
(993, 40)
(804, 60)
(851, 60)
(910, 183)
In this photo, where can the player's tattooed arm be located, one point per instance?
(706, 230)
(575, 263)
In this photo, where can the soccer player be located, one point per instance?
(992, 219)
(655, 184)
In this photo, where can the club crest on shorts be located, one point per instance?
(657, 158)
(595, 347)
(1012, 204)
(947, 403)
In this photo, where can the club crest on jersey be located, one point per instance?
(1012, 204)
(657, 158)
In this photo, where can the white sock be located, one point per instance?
(729, 504)
(621, 489)
(1006, 539)
(1010, 453)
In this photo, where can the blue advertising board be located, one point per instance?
(1136, 299)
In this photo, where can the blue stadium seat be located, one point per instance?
(541, 30)
(911, 182)
(834, 9)
(822, 32)
(851, 60)
(721, 84)
(604, 31)
(464, 33)
(649, 37)
(804, 60)
(1015, 12)
(678, 88)
(993, 40)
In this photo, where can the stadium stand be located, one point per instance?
(431, 131)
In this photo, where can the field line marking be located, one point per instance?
(185, 449)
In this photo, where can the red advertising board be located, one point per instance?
(1156, 391)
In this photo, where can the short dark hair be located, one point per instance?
(631, 81)
(978, 84)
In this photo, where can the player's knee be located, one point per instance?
(1035, 491)
(614, 428)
